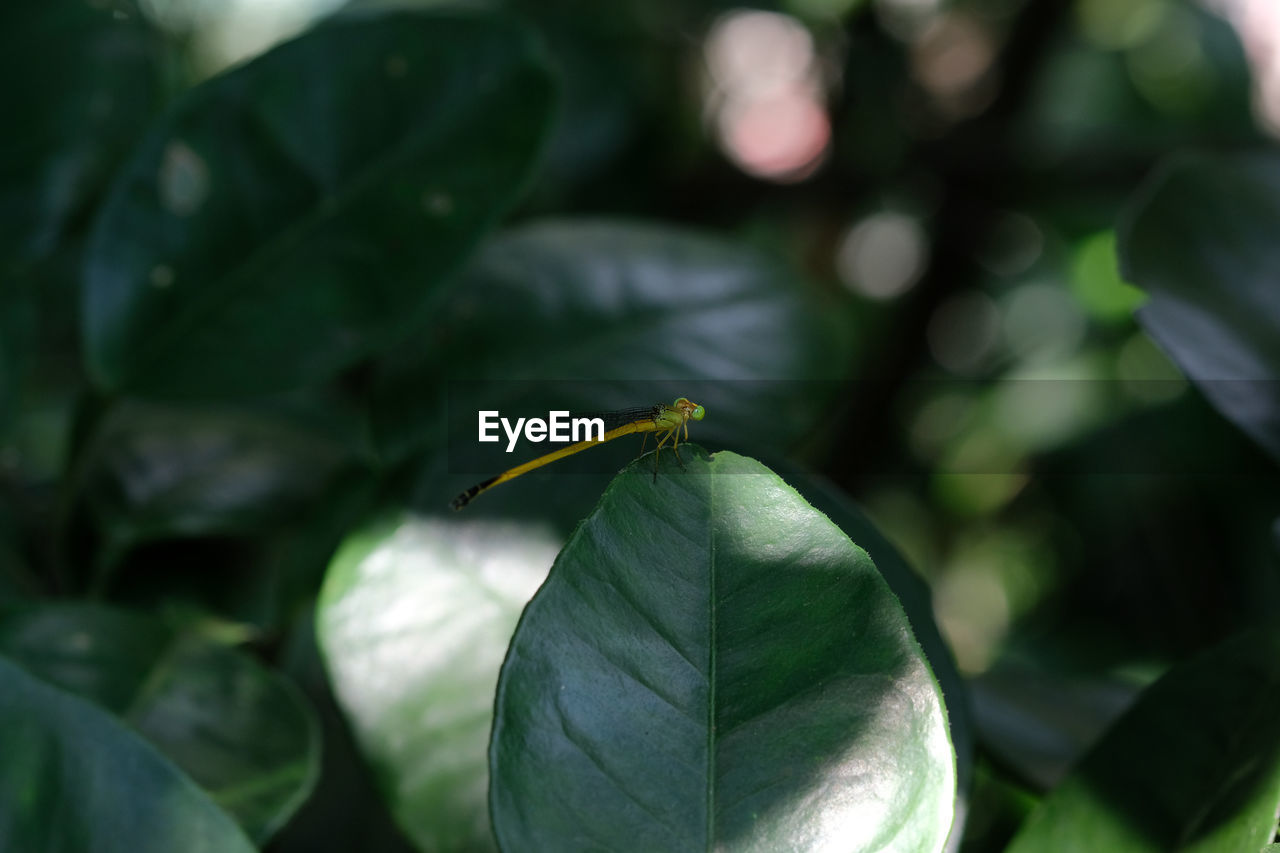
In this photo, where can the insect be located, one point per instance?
(668, 420)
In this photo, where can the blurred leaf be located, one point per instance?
(632, 314)
(1090, 109)
(301, 212)
(413, 621)
(164, 471)
(1039, 724)
(297, 555)
(997, 808)
(90, 80)
(712, 663)
(74, 779)
(1096, 281)
(1193, 765)
(598, 59)
(1201, 240)
(1141, 506)
(346, 811)
(243, 733)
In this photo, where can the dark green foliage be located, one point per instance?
(258, 241)
(241, 732)
(1154, 783)
(1200, 240)
(74, 778)
(254, 296)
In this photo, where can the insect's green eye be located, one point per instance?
(698, 413)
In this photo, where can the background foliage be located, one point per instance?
(990, 283)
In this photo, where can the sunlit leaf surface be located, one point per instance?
(712, 664)
(413, 622)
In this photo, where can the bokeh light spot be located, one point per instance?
(757, 53)
(183, 180)
(1113, 26)
(1146, 374)
(766, 96)
(782, 137)
(904, 19)
(883, 256)
(940, 421)
(963, 332)
(952, 55)
(161, 276)
(1042, 324)
(1170, 68)
(1042, 411)
(1012, 246)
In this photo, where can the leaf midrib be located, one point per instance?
(711, 664)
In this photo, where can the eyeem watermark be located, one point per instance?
(558, 426)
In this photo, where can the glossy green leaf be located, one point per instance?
(917, 602)
(712, 664)
(90, 79)
(413, 621)
(1201, 241)
(301, 212)
(241, 732)
(1194, 765)
(631, 314)
(74, 779)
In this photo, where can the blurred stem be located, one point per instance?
(90, 411)
(105, 560)
(972, 190)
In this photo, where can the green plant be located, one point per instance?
(247, 323)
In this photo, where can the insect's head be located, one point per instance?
(689, 409)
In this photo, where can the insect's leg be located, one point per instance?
(658, 452)
(674, 436)
(675, 448)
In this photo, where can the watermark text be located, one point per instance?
(558, 426)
